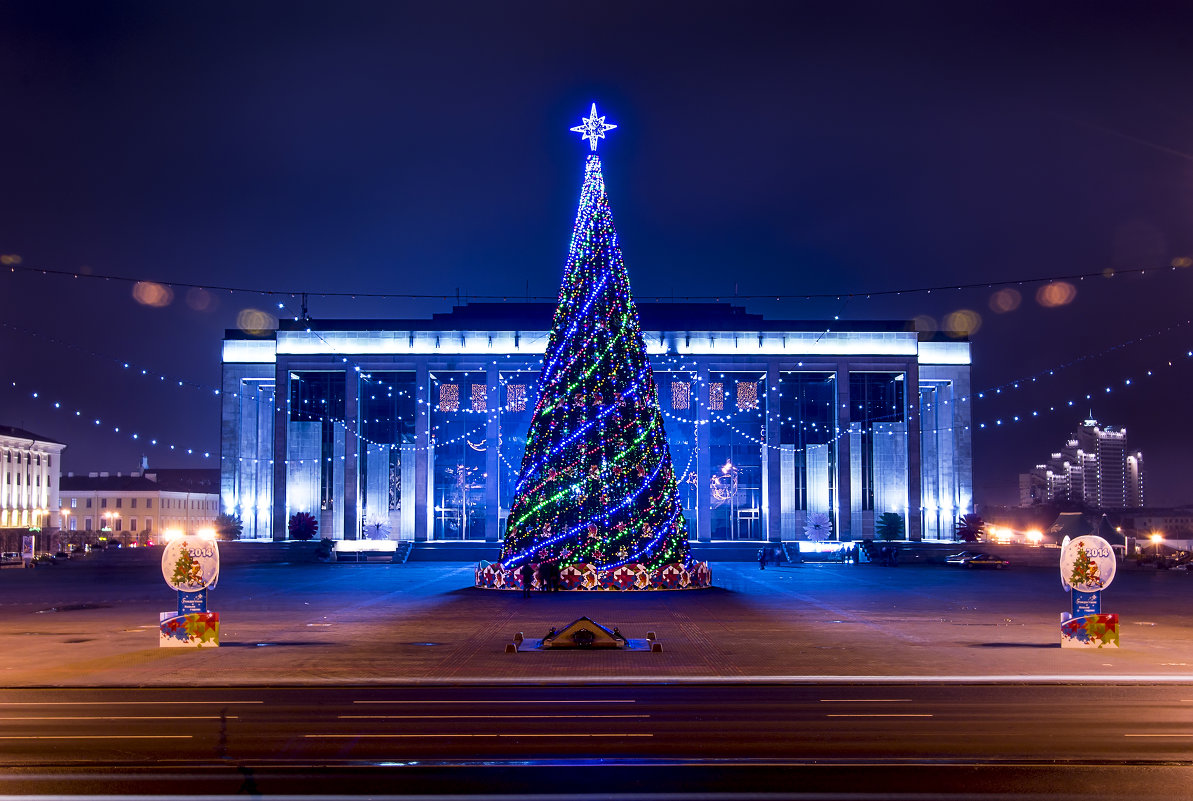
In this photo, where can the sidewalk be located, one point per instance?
(83, 624)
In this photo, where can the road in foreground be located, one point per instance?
(1097, 740)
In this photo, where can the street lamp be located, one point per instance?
(111, 517)
(1156, 539)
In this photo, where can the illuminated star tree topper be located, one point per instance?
(592, 128)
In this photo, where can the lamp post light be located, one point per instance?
(1156, 539)
(111, 517)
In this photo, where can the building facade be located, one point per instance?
(415, 429)
(1095, 468)
(30, 466)
(138, 506)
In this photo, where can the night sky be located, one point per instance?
(761, 150)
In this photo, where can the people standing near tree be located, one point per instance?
(527, 579)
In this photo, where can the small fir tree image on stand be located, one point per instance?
(187, 572)
(1085, 570)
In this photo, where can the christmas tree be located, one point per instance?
(596, 485)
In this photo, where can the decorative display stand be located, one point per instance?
(191, 566)
(1087, 566)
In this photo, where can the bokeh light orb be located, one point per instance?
(1058, 293)
(962, 322)
(150, 293)
(200, 299)
(255, 321)
(1005, 300)
(925, 324)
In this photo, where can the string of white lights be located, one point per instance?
(1176, 264)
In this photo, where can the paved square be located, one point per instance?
(93, 621)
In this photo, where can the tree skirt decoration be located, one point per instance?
(675, 576)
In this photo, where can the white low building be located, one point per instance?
(29, 469)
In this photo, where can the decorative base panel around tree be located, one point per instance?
(695, 575)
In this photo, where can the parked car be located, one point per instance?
(43, 560)
(960, 558)
(975, 559)
(60, 555)
(10, 558)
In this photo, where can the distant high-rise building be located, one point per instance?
(1094, 468)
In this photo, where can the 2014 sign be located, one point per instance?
(1087, 564)
(190, 564)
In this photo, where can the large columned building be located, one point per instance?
(29, 469)
(415, 429)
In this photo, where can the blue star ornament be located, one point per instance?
(592, 128)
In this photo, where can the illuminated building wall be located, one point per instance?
(30, 466)
(415, 429)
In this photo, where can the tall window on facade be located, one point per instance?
(878, 451)
(737, 407)
(677, 402)
(938, 488)
(808, 455)
(316, 444)
(514, 415)
(457, 465)
(388, 407)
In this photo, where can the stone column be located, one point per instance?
(492, 453)
(844, 476)
(281, 433)
(351, 454)
(422, 458)
(914, 476)
(773, 479)
(703, 461)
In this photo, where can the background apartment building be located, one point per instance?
(1095, 468)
